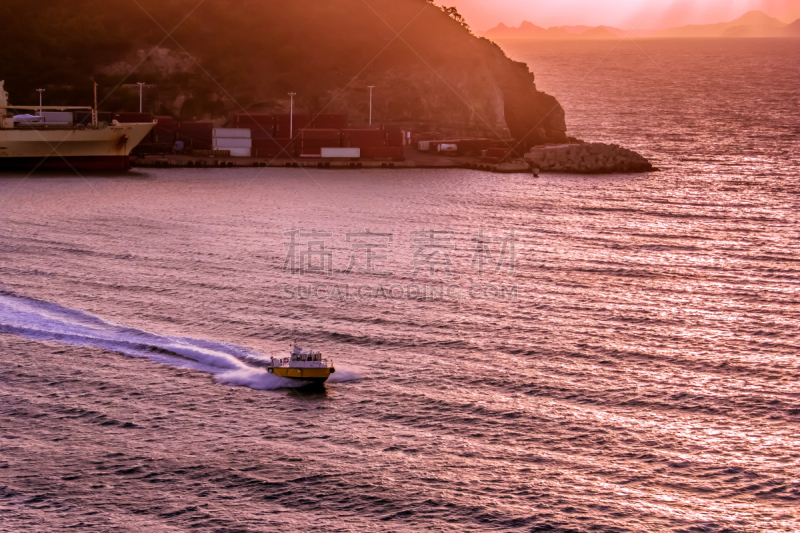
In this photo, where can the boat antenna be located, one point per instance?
(94, 108)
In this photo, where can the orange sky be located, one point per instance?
(484, 14)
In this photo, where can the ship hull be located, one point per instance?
(88, 149)
(117, 163)
(314, 375)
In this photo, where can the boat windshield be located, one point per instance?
(307, 356)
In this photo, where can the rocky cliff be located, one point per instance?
(218, 57)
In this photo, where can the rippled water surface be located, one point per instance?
(632, 366)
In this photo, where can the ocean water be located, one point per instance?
(568, 353)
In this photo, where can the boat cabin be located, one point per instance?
(307, 356)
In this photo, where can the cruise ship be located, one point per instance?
(50, 140)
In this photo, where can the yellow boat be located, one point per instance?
(302, 365)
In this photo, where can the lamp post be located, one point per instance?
(40, 91)
(291, 115)
(141, 86)
(370, 103)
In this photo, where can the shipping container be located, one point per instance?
(394, 138)
(225, 143)
(261, 133)
(329, 121)
(314, 140)
(363, 138)
(349, 153)
(298, 123)
(195, 135)
(382, 152)
(58, 118)
(165, 122)
(239, 152)
(232, 133)
(261, 126)
(164, 130)
(321, 134)
(272, 147)
(449, 148)
(163, 137)
(248, 119)
(424, 146)
(318, 145)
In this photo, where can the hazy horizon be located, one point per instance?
(651, 15)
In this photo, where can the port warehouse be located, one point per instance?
(268, 136)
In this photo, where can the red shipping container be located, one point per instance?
(394, 139)
(329, 121)
(317, 144)
(260, 132)
(261, 126)
(272, 148)
(162, 137)
(249, 119)
(363, 138)
(165, 123)
(382, 152)
(299, 122)
(164, 130)
(321, 135)
(196, 135)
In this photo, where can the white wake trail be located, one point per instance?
(46, 321)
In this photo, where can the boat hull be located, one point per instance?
(314, 375)
(107, 148)
(119, 163)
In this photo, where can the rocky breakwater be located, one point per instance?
(587, 158)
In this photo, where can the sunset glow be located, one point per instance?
(418, 266)
(650, 14)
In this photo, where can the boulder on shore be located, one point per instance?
(587, 158)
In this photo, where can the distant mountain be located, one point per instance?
(583, 29)
(792, 30)
(751, 24)
(529, 31)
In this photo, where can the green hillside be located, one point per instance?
(227, 55)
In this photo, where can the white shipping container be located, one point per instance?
(225, 143)
(239, 152)
(424, 146)
(60, 118)
(350, 153)
(448, 148)
(232, 133)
